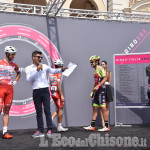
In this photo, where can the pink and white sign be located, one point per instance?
(26, 106)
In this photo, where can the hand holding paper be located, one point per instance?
(70, 69)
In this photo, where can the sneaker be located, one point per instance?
(7, 136)
(49, 134)
(104, 129)
(60, 128)
(89, 128)
(108, 129)
(38, 134)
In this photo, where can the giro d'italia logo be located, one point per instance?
(26, 40)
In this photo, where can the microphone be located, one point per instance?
(40, 64)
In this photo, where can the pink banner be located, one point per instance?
(32, 34)
(132, 59)
(8, 31)
(22, 109)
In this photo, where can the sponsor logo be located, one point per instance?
(136, 42)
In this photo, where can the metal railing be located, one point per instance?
(52, 11)
(113, 16)
(54, 6)
(22, 8)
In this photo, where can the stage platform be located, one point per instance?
(22, 139)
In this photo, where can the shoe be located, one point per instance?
(7, 136)
(49, 134)
(89, 128)
(60, 128)
(38, 134)
(104, 129)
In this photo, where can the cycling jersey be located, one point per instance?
(99, 98)
(54, 78)
(6, 75)
(99, 73)
(6, 71)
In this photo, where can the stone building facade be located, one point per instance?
(132, 6)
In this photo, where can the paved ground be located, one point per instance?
(138, 135)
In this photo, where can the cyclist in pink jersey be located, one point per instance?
(7, 68)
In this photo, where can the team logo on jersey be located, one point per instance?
(60, 76)
(55, 78)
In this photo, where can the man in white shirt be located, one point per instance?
(37, 74)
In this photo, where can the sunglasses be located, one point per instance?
(12, 54)
(91, 62)
(39, 57)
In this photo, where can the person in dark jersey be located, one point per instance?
(98, 94)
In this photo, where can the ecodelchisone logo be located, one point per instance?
(25, 107)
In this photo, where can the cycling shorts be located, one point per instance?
(57, 101)
(6, 95)
(100, 97)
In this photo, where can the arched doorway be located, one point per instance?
(32, 2)
(84, 4)
(97, 5)
(141, 7)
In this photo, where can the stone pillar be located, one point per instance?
(118, 5)
(7, 1)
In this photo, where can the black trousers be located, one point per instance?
(42, 96)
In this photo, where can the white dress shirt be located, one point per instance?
(39, 79)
